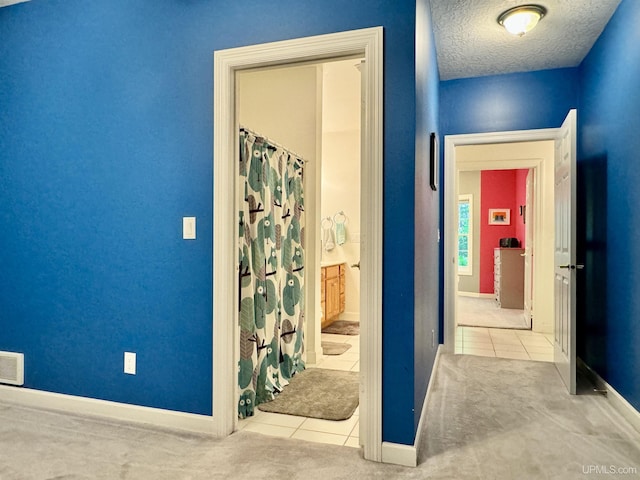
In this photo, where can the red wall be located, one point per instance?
(499, 189)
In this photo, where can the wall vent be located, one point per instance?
(12, 368)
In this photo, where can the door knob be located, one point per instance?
(573, 267)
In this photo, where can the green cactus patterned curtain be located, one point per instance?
(271, 274)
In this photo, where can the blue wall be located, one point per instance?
(427, 288)
(516, 101)
(608, 157)
(106, 142)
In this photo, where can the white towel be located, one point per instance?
(341, 233)
(328, 240)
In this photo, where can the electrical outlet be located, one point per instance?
(130, 363)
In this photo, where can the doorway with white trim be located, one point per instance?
(366, 43)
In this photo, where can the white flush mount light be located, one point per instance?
(520, 20)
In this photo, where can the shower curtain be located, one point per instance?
(271, 275)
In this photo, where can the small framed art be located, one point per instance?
(499, 216)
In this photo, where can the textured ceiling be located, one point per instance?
(471, 43)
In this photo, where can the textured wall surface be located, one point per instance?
(471, 43)
(426, 291)
(517, 101)
(498, 189)
(106, 133)
(609, 227)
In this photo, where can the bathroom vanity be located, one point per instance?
(332, 291)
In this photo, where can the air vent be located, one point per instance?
(12, 368)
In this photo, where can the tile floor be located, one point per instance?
(504, 343)
(345, 432)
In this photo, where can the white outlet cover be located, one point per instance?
(130, 363)
(189, 228)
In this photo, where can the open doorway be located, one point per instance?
(313, 112)
(495, 244)
(227, 63)
(502, 164)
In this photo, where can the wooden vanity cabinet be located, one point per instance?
(332, 292)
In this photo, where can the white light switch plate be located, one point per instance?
(189, 228)
(130, 363)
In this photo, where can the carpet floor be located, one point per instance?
(483, 312)
(487, 418)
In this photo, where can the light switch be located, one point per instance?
(189, 228)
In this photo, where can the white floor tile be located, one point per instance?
(320, 437)
(354, 341)
(349, 355)
(476, 341)
(334, 364)
(479, 351)
(475, 329)
(470, 334)
(355, 431)
(331, 337)
(269, 418)
(524, 333)
(344, 427)
(507, 341)
(541, 357)
(509, 347)
(512, 355)
(352, 442)
(535, 340)
(548, 349)
(271, 430)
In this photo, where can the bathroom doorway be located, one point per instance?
(367, 43)
(313, 111)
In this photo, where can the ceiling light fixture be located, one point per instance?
(520, 20)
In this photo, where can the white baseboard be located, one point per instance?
(476, 294)
(617, 401)
(102, 408)
(398, 454)
(407, 455)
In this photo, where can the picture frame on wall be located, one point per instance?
(434, 156)
(499, 216)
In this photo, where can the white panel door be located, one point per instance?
(565, 252)
(528, 250)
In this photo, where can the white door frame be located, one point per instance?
(366, 43)
(450, 202)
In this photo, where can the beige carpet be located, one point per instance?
(488, 418)
(483, 312)
(317, 393)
